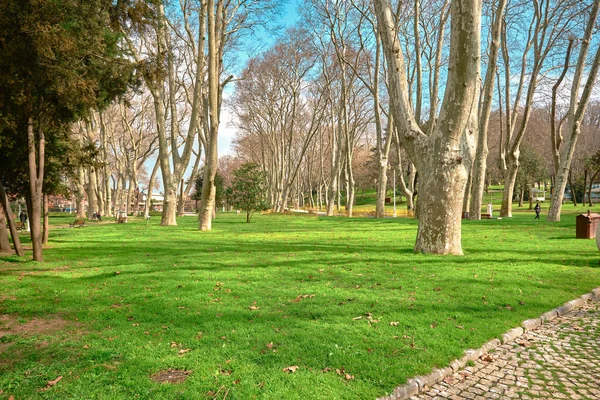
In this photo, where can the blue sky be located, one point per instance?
(226, 130)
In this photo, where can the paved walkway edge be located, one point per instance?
(418, 384)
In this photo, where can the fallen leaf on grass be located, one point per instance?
(290, 370)
(325, 370)
(226, 372)
(460, 327)
(254, 306)
(357, 318)
(183, 351)
(51, 383)
(349, 377)
(86, 346)
(394, 323)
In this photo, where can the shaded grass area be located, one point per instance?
(239, 304)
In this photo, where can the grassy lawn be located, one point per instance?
(115, 304)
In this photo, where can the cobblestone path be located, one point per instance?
(559, 360)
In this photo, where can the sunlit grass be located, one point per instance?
(248, 300)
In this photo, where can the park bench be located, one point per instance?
(79, 223)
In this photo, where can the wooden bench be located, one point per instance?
(122, 219)
(79, 223)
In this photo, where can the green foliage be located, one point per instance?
(58, 59)
(248, 189)
(135, 295)
(219, 187)
(531, 169)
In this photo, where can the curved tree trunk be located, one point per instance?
(509, 186)
(11, 222)
(444, 157)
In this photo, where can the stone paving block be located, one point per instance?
(531, 324)
(587, 297)
(558, 360)
(411, 388)
(511, 335)
(492, 344)
(564, 309)
(456, 365)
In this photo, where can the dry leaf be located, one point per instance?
(357, 318)
(226, 372)
(486, 358)
(290, 370)
(86, 346)
(254, 306)
(173, 345)
(270, 345)
(349, 377)
(460, 327)
(52, 383)
(183, 351)
(325, 370)
(394, 323)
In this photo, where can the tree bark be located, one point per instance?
(207, 199)
(11, 222)
(576, 112)
(444, 157)
(478, 171)
(36, 160)
(46, 223)
(4, 242)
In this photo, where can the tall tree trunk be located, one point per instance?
(4, 242)
(510, 178)
(36, 160)
(80, 193)
(478, 170)
(444, 157)
(91, 193)
(11, 222)
(151, 188)
(207, 199)
(577, 108)
(46, 223)
(381, 188)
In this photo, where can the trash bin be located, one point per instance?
(586, 225)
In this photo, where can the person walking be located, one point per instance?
(537, 210)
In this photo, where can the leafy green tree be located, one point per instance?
(219, 186)
(248, 189)
(58, 59)
(531, 170)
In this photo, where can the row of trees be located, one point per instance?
(355, 83)
(362, 73)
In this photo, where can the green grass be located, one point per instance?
(135, 295)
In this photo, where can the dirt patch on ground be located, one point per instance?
(10, 325)
(4, 298)
(170, 376)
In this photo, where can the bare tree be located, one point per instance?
(577, 107)
(444, 156)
